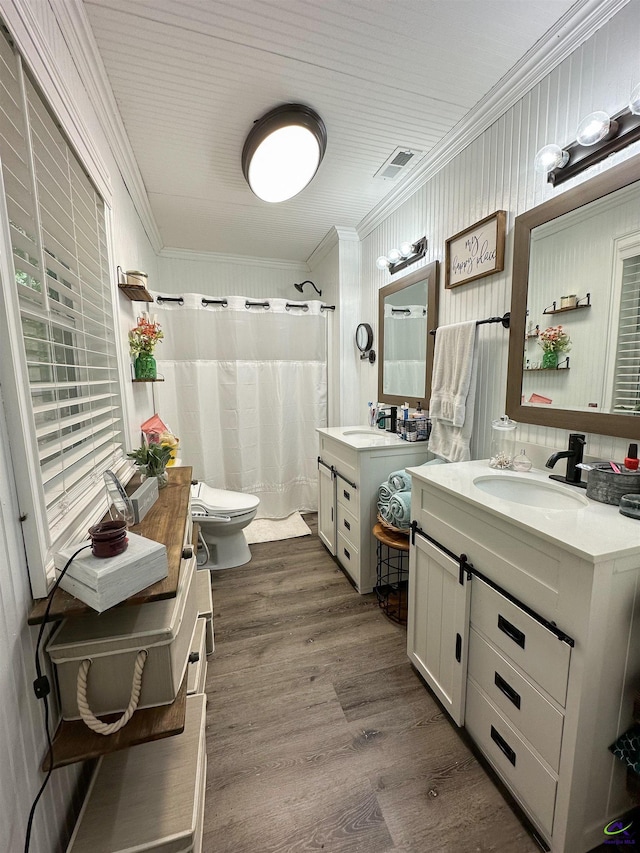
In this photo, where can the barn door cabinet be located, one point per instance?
(522, 621)
(352, 463)
(147, 789)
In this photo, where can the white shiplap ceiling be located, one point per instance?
(191, 76)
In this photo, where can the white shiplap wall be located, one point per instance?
(496, 172)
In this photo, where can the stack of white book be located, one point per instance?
(103, 582)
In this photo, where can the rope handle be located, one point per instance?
(87, 714)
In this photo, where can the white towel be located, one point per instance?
(453, 359)
(451, 442)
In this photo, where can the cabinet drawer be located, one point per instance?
(538, 652)
(348, 496)
(534, 717)
(348, 525)
(349, 557)
(527, 777)
(197, 666)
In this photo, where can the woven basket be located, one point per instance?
(404, 530)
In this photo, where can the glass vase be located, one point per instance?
(145, 366)
(162, 477)
(549, 360)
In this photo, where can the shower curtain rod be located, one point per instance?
(505, 320)
(180, 301)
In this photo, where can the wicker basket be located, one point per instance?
(404, 530)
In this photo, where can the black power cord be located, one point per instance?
(42, 688)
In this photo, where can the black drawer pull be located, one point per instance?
(458, 648)
(503, 746)
(507, 689)
(346, 524)
(194, 657)
(346, 494)
(511, 631)
(347, 554)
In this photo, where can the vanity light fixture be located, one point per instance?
(407, 254)
(283, 151)
(598, 135)
(302, 284)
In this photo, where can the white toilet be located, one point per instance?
(222, 516)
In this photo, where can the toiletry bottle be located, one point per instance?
(418, 412)
(521, 462)
(405, 412)
(631, 460)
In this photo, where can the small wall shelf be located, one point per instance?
(552, 369)
(554, 310)
(136, 292)
(147, 380)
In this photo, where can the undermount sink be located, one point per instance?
(534, 493)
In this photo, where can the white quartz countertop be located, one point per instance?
(596, 531)
(367, 438)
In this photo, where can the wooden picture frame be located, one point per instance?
(477, 251)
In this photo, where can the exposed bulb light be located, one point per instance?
(398, 259)
(594, 128)
(550, 157)
(382, 263)
(634, 101)
(394, 255)
(283, 151)
(406, 249)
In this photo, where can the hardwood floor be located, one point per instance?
(320, 735)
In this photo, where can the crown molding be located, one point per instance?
(574, 28)
(244, 260)
(76, 30)
(334, 236)
(36, 52)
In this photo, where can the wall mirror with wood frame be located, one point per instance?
(407, 311)
(577, 265)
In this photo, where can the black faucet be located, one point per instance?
(573, 455)
(392, 417)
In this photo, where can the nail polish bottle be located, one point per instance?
(631, 459)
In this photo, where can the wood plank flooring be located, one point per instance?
(321, 736)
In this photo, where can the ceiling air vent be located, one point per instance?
(399, 163)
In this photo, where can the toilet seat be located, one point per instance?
(220, 501)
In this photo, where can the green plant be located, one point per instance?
(151, 458)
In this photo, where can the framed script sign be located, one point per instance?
(476, 251)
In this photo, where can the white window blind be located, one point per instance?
(626, 393)
(58, 240)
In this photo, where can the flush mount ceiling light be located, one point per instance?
(398, 259)
(283, 151)
(598, 136)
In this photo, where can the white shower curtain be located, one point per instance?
(244, 390)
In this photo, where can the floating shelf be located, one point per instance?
(555, 369)
(555, 310)
(136, 292)
(147, 380)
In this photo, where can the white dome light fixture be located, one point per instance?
(283, 151)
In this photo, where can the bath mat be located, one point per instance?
(273, 529)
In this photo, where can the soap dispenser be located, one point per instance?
(503, 433)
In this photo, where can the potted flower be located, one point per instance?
(553, 341)
(142, 341)
(151, 460)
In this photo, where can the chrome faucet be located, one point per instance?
(392, 417)
(573, 455)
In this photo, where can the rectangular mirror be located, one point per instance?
(577, 265)
(407, 311)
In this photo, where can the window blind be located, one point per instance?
(626, 393)
(59, 248)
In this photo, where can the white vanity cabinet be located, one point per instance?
(523, 621)
(352, 463)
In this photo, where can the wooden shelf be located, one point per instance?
(136, 292)
(158, 524)
(554, 369)
(147, 380)
(74, 741)
(574, 308)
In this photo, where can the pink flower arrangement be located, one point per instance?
(554, 339)
(144, 336)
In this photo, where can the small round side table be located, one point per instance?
(392, 580)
